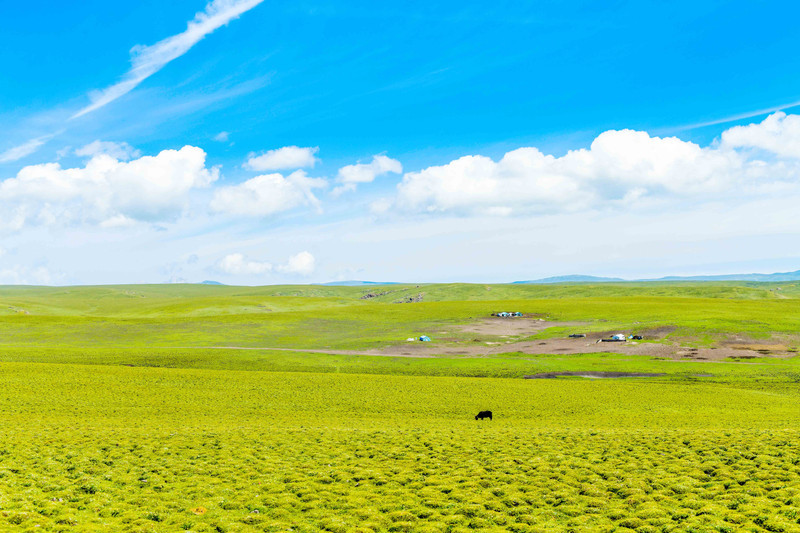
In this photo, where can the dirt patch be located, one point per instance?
(675, 351)
(760, 347)
(502, 331)
(595, 375)
(500, 336)
(431, 349)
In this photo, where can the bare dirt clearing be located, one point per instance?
(595, 375)
(495, 336)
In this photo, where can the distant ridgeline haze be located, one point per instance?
(577, 278)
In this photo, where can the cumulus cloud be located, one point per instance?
(779, 133)
(302, 264)
(268, 194)
(288, 157)
(147, 60)
(106, 190)
(618, 167)
(238, 264)
(121, 151)
(351, 175)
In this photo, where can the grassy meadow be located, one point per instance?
(134, 408)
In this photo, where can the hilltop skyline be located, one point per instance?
(259, 143)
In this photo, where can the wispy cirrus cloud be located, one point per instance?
(147, 60)
(739, 116)
(25, 149)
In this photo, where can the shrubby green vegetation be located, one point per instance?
(113, 417)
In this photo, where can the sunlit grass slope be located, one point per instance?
(144, 300)
(116, 414)
(92, 448)
(316, 317)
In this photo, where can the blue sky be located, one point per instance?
(643, 140)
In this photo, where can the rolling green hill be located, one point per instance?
(306, 317)
(211, 408)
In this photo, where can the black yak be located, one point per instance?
(483, 414)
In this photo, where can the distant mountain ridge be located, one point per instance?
(573, 278)
(775, 277)
(581, 278)
(357, 283)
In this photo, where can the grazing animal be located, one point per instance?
(483, 414)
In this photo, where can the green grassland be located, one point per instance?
(318, 317)
(122, 410)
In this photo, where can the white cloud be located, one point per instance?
(741, 116)
(222, 136)
(302, 264)
(121, 151)
(268, 194)
(147, 60)
(476, 183)
(25, 149)
(351, 175)
(20, 275)
(237, 264)
(380, 206)
(620, 166)
(106, 190)
(117, 221)
(779, 133)
(288, 157)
